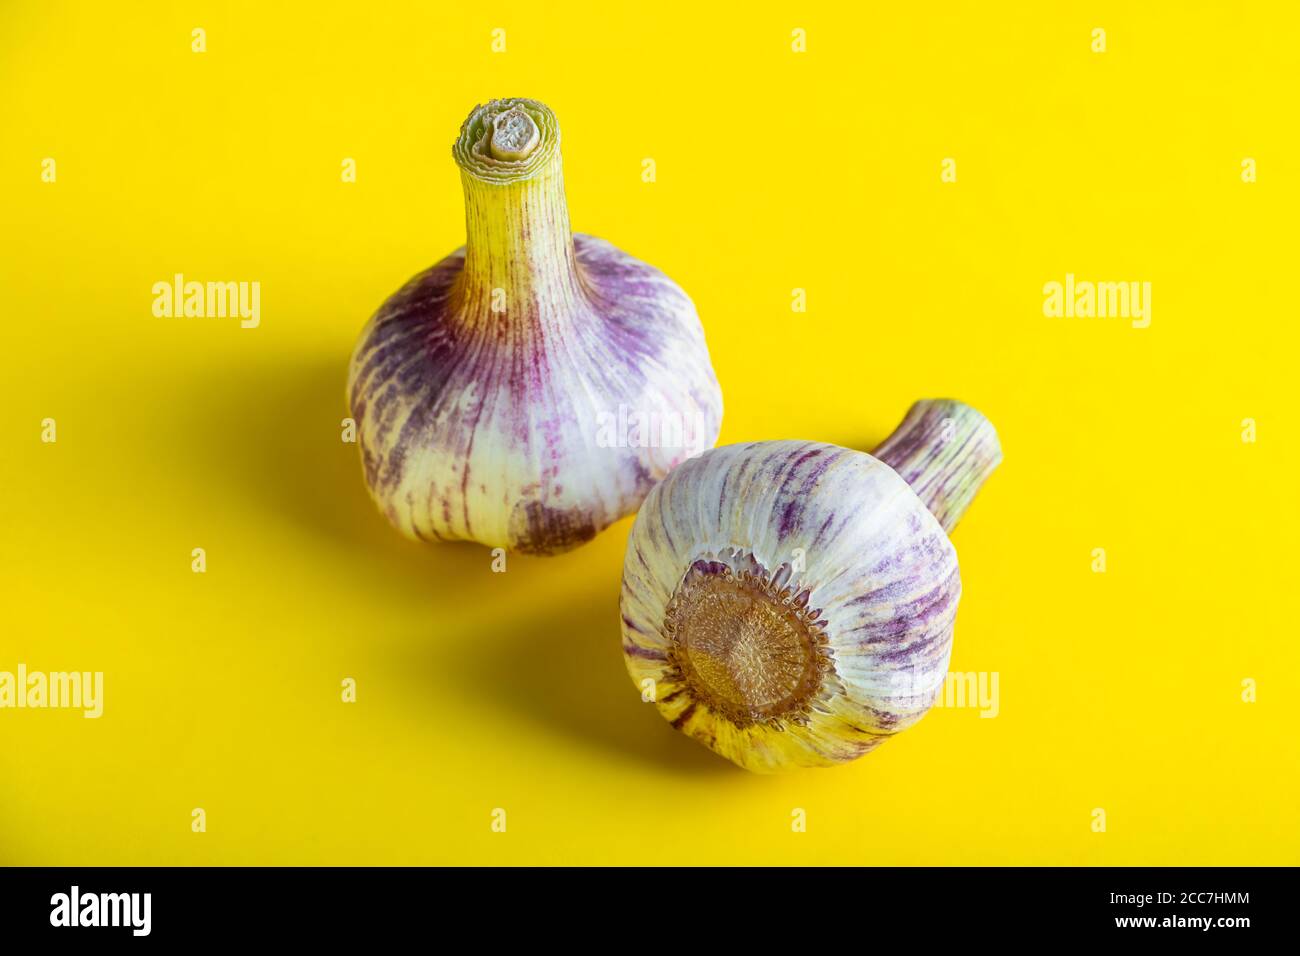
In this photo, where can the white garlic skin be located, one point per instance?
(879, 576)
(493, 427)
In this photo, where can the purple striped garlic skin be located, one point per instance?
(791, 603)
(488, 391)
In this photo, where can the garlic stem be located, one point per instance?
(945, 450)
(514, 136)
(519, 256)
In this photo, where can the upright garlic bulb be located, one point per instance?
(791, 603)
(493, 392)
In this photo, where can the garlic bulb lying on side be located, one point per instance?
(493, 392)
(791, 603)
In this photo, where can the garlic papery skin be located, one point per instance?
(492, 393)
(791, 603)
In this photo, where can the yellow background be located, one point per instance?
(776, 170)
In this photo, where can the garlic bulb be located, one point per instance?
(530, 388)
(791, 603)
